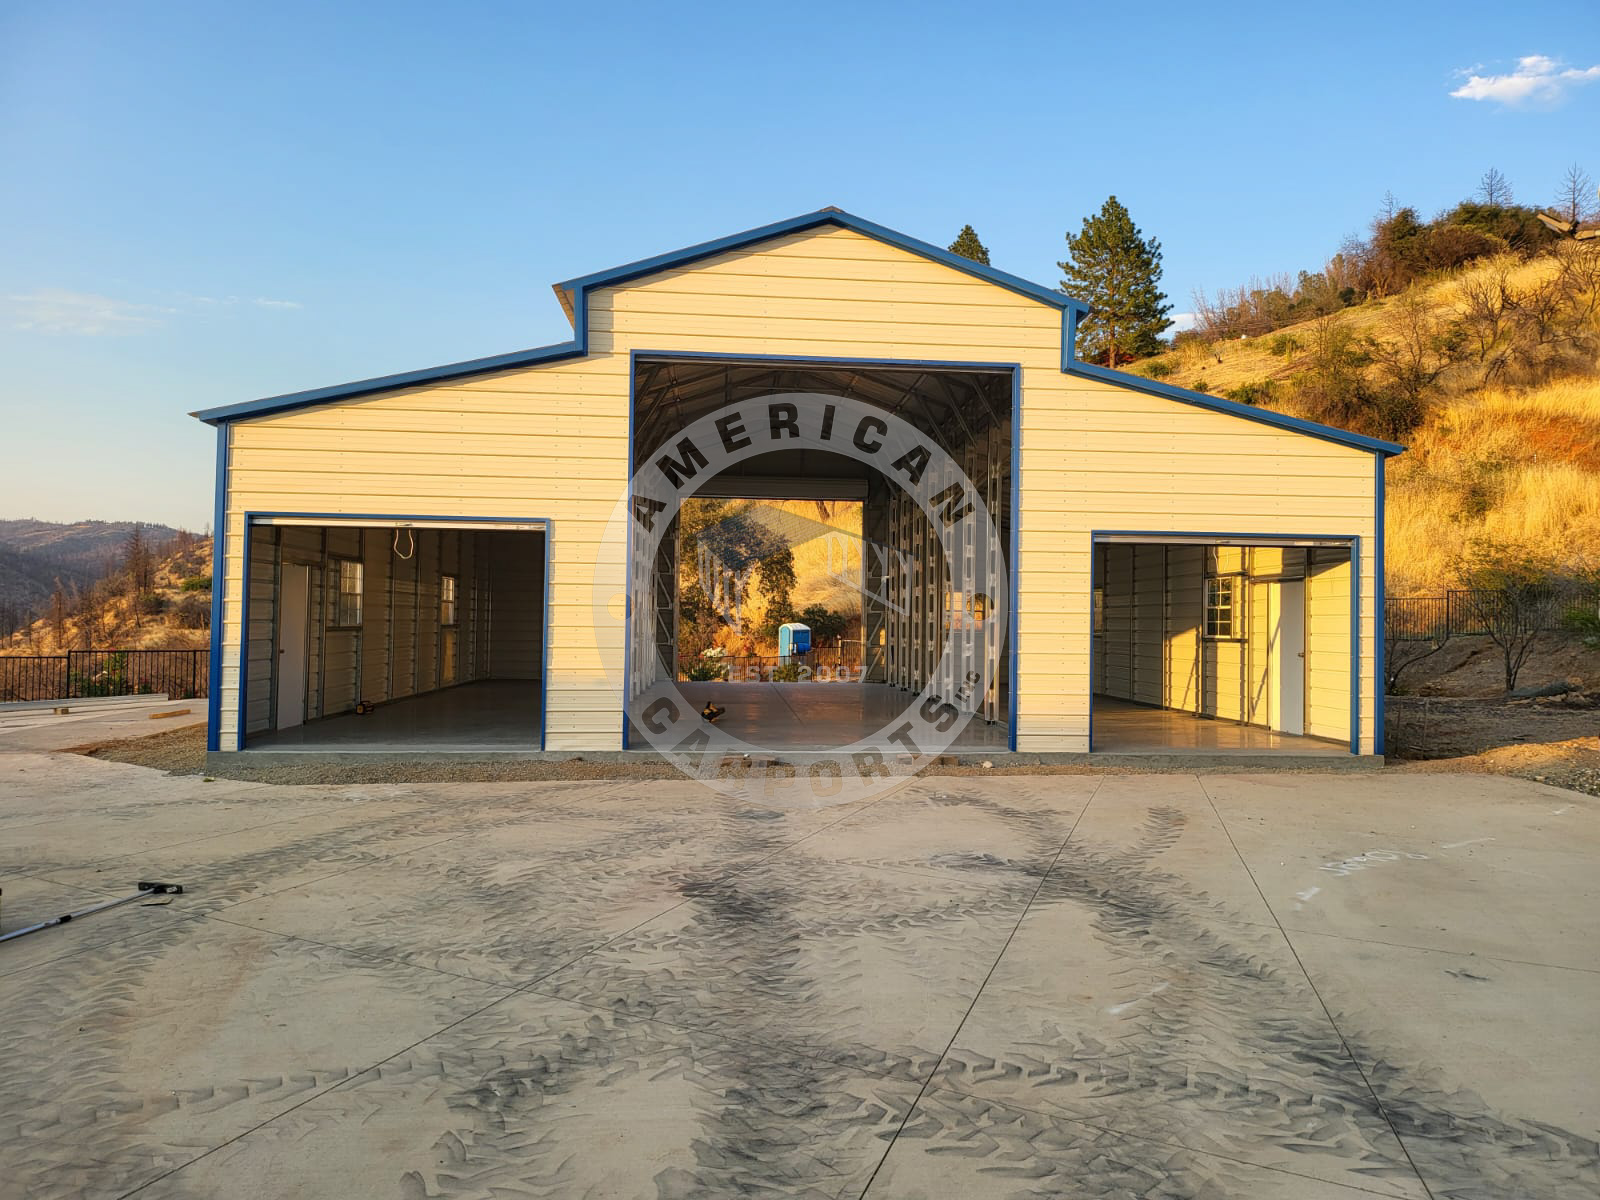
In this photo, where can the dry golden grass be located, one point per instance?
(1519, 467)
(1223, 366)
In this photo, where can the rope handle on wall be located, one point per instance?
(413, 549)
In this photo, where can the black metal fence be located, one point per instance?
(78, 674)
(1459, 613)
(830, 664)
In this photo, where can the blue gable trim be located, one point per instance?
(827, 216)
(1071, 312)
(580, 287)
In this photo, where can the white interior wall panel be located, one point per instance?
(261, 652)
(1149, 624)
(1185, 619)
(1328, 646)
(517, 575)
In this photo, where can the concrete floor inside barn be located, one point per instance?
(1233, 985)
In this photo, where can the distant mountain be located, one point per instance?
(84, 545)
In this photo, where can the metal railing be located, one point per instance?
(830, 664)
(79, 674)
(1460, 613)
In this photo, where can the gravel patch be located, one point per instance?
(1572, 763)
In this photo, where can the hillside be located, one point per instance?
(172, 612)
(36, 555)
(1492, 375)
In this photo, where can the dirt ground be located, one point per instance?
(1474, 667)
(1455, 715)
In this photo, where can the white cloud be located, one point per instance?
(1183, 321)
(1538, 79)
(55, 310)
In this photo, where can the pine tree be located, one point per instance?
(968, 246)
(1114, 269)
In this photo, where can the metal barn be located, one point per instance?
(443, 561)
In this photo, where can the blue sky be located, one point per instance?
(209, 203)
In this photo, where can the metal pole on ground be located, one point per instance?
(145, 891)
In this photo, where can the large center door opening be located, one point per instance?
(802, 594)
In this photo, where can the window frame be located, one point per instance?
(339, 611)
(1235, 607)
(453, 600)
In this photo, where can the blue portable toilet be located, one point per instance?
(793, 638)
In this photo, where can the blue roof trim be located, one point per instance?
(1071, 365)
(387, 383)
(616, 276)
(1071, 311)
(827, 216)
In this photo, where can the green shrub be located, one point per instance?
(1254, 394)
(704, 672)
(151, 603)
(1200, 385)
(825, 624)
(1585, 622)
(197, 583)
(1284, 345)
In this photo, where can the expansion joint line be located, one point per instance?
(1344, 1043)
(978, 995)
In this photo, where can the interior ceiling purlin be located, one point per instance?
(949, 407)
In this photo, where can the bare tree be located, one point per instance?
(1411, 636)
(58, 616)
(138, 560)
(1494, 188)
(1485, 304)
(1416, 348)
(1575, 198)
(1512, 595)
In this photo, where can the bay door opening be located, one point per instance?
(366, 634)
(1213, 646)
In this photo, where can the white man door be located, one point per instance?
(294, 627)
(1286, 655)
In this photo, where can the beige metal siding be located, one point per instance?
(551, 442)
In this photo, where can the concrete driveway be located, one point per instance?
(1310, 986)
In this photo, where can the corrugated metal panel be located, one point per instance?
(1328, 647)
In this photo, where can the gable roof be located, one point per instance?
(573, 294)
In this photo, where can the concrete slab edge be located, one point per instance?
(221, 762)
